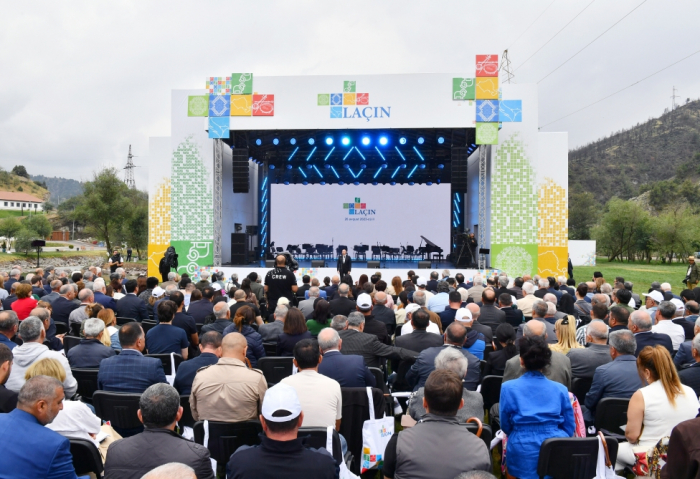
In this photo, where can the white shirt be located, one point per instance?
(407, 328)
(674, 331)
(76, 420)
(319, 396)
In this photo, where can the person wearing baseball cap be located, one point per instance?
(408, 327)
(372, 326)
(652, 301)
(475, 342)
(281, 453)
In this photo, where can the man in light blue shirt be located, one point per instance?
(441, 300)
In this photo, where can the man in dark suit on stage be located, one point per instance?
(344, 263)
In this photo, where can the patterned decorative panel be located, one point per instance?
(198, 105)
(487, 65)
(219, 127)
(515, 259)
(324, 99)
(219, 105)
(510, 111)
(348, 98)
(553, 216)
(552, 261)
(487, 133)
(263, 105)
(241, 105)
(158, 226)
(218, 86)
(242, 83)
(349, 86)
(463, 88)
(487, 88)
(487, 110)
(193, 254)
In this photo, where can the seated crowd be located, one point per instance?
(558, 349)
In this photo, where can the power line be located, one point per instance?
(545, 44)
(535, 21)
(592, 41)
(621, 90)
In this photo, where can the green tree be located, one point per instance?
(23, 241)
(9, 227)
(48, 207)
(39, 225)
(20, 170)
(619, 229)
(674, 232)
(583, 210)
(105, 205)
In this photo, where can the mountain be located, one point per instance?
(60, 188)
(11, 182)
(628, 163)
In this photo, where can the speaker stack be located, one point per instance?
(241, 176)
(239, 248)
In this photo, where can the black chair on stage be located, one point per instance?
(309, 250)
(86, 457)
(408, 252)
(377, 252)
(360, 252)
(167, 362)
(294, 249)
(61, 328)
(87, 382)
(580, 387)
(225, 438)
(572, 457)
(275, 369)
(69, 342)
(339, 249)
(611, 415)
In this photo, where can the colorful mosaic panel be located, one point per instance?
(463, 88)
(487, 133)
(219, 127)
(193, 254)
(263, 105)
(336, 98)
(487, 88)
(515, 260)
(218, 85)
(552, 261)
(487, 65)
(487, 110)
(191, 195)
(553, 216)
(219, 105)
(349, 86)
(348, 98)
(513, 196)
(324, 99)
(242, 83)
(158, 225)
(510, 111)
(336, 112)
(362, 99)
(241, 105)
(198, 105)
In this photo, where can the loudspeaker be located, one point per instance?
(241, 181)
(424, 265)
(373, 264)
(318, 263)
(484, 251)
(459, 169)
(239, 248)
(269, 263)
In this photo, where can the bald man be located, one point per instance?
(228, 391)
(596, 353)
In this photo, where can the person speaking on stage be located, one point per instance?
(344, 263)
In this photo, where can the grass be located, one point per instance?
(641, 274)
(15, 213)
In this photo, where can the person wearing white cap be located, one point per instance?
(372, 326)
(652, 301)
(425, 334)
(475, 342)
(665, 325)
(281, 453)
(408, 326)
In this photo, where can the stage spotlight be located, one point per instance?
(375, 183)
(341, 183)
(276, 141)
(410, 183)
(286, 182)
(420, 140)
(293, 141)
(323, 183)
(429, 183)
(363, 166)
(304, 183)
(258, 142)
(441, 166)
(356, 183)
(392, 183)
(403, 165)
(437, 181)
(311, 141)
(383, 140)
(365, 140)
(422, 166)
(441, 140)
(308, 167)
(272, 167)
(329, 141)
(384, 165)
(402, 140)
(328, 167)
(345, 141)
(346, 165)
(289, 167)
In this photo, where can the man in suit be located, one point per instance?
(640, 325)
(539, 312)
(307, 306)
(616, 379)
(332, 288)
(381, 312)
(344, 263)
(503, 288)
(372, 326)
(665, 325)
(203, 281)
(7, 302)
(420, 338)
(37, 287)
(432, 283)
(8, 398)
(202, 308)
(210, 349)
(454, 337)
(100, 297)
(475, 291)
(131, 306)
(356, 341)
(343, 305)
(55, 287)
(130, 371)
(490, 315)
(477, 326)
(514, 316)
(525, 303)
(560, 368)
(271, 331)
(305, 285)
(90, 352)
(684, 356)
(9, 323)
(14, 278)
(348, 369)
(585, 361)
(690, 376)
(29, 448)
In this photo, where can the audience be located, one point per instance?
(342, 304)
(357, 342)
(166, 338)
(159, 411)
(584, 361)
(90, 352)
(640, 325)
(8, 399)
(242, 322)
(533, 408)
(271, 331)
(294, 330)
(9, 325)
(683, 357)
(665, 313)
(228, 391)
(348, 370)
(496, 360)
(210, 352)
(565, 330)
(24, 303)
(319, 318)
(111, 336)
(131, 306)
(690, 376)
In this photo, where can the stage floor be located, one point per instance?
(331, 263)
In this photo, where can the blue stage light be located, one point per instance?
(384, 165)
(392, 183)
(403, 166)
(412, 171)
(276, 141)
(375, 183)
(363, 166)
(429, 183)
(395, 171)
(341, 183)
(359, 153)
(311, 154)
(329, 153)
(308, 167)
(293, 153)
(402, 140)
(304, 182)
(345, 165)
(328, 167)
(345, 141)
(383, 140)
(438, 181)
(286, 182)
(319, 173)
(323, 183)
(441, 140)
(311, 141)
(301, 171)
(335, 172)
(422, 166)
(420, 140)
(293, 141)
(441, 166)
(365, 140)
(380, 153)
(410, 183)
(272, 167)
(356, 183)
(289, 167)
(418, 153)
(258, 142)
(329, 140)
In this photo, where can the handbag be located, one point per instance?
(375, 436)
(344, 472)
(171, 377)
(604, 467)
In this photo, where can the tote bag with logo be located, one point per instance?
(375, 436)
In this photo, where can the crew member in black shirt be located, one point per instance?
(280, 282)
(115, 261)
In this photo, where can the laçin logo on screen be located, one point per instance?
(358, 209)
(351, 104)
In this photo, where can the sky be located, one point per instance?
(83, 80)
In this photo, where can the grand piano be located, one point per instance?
(429, 249)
